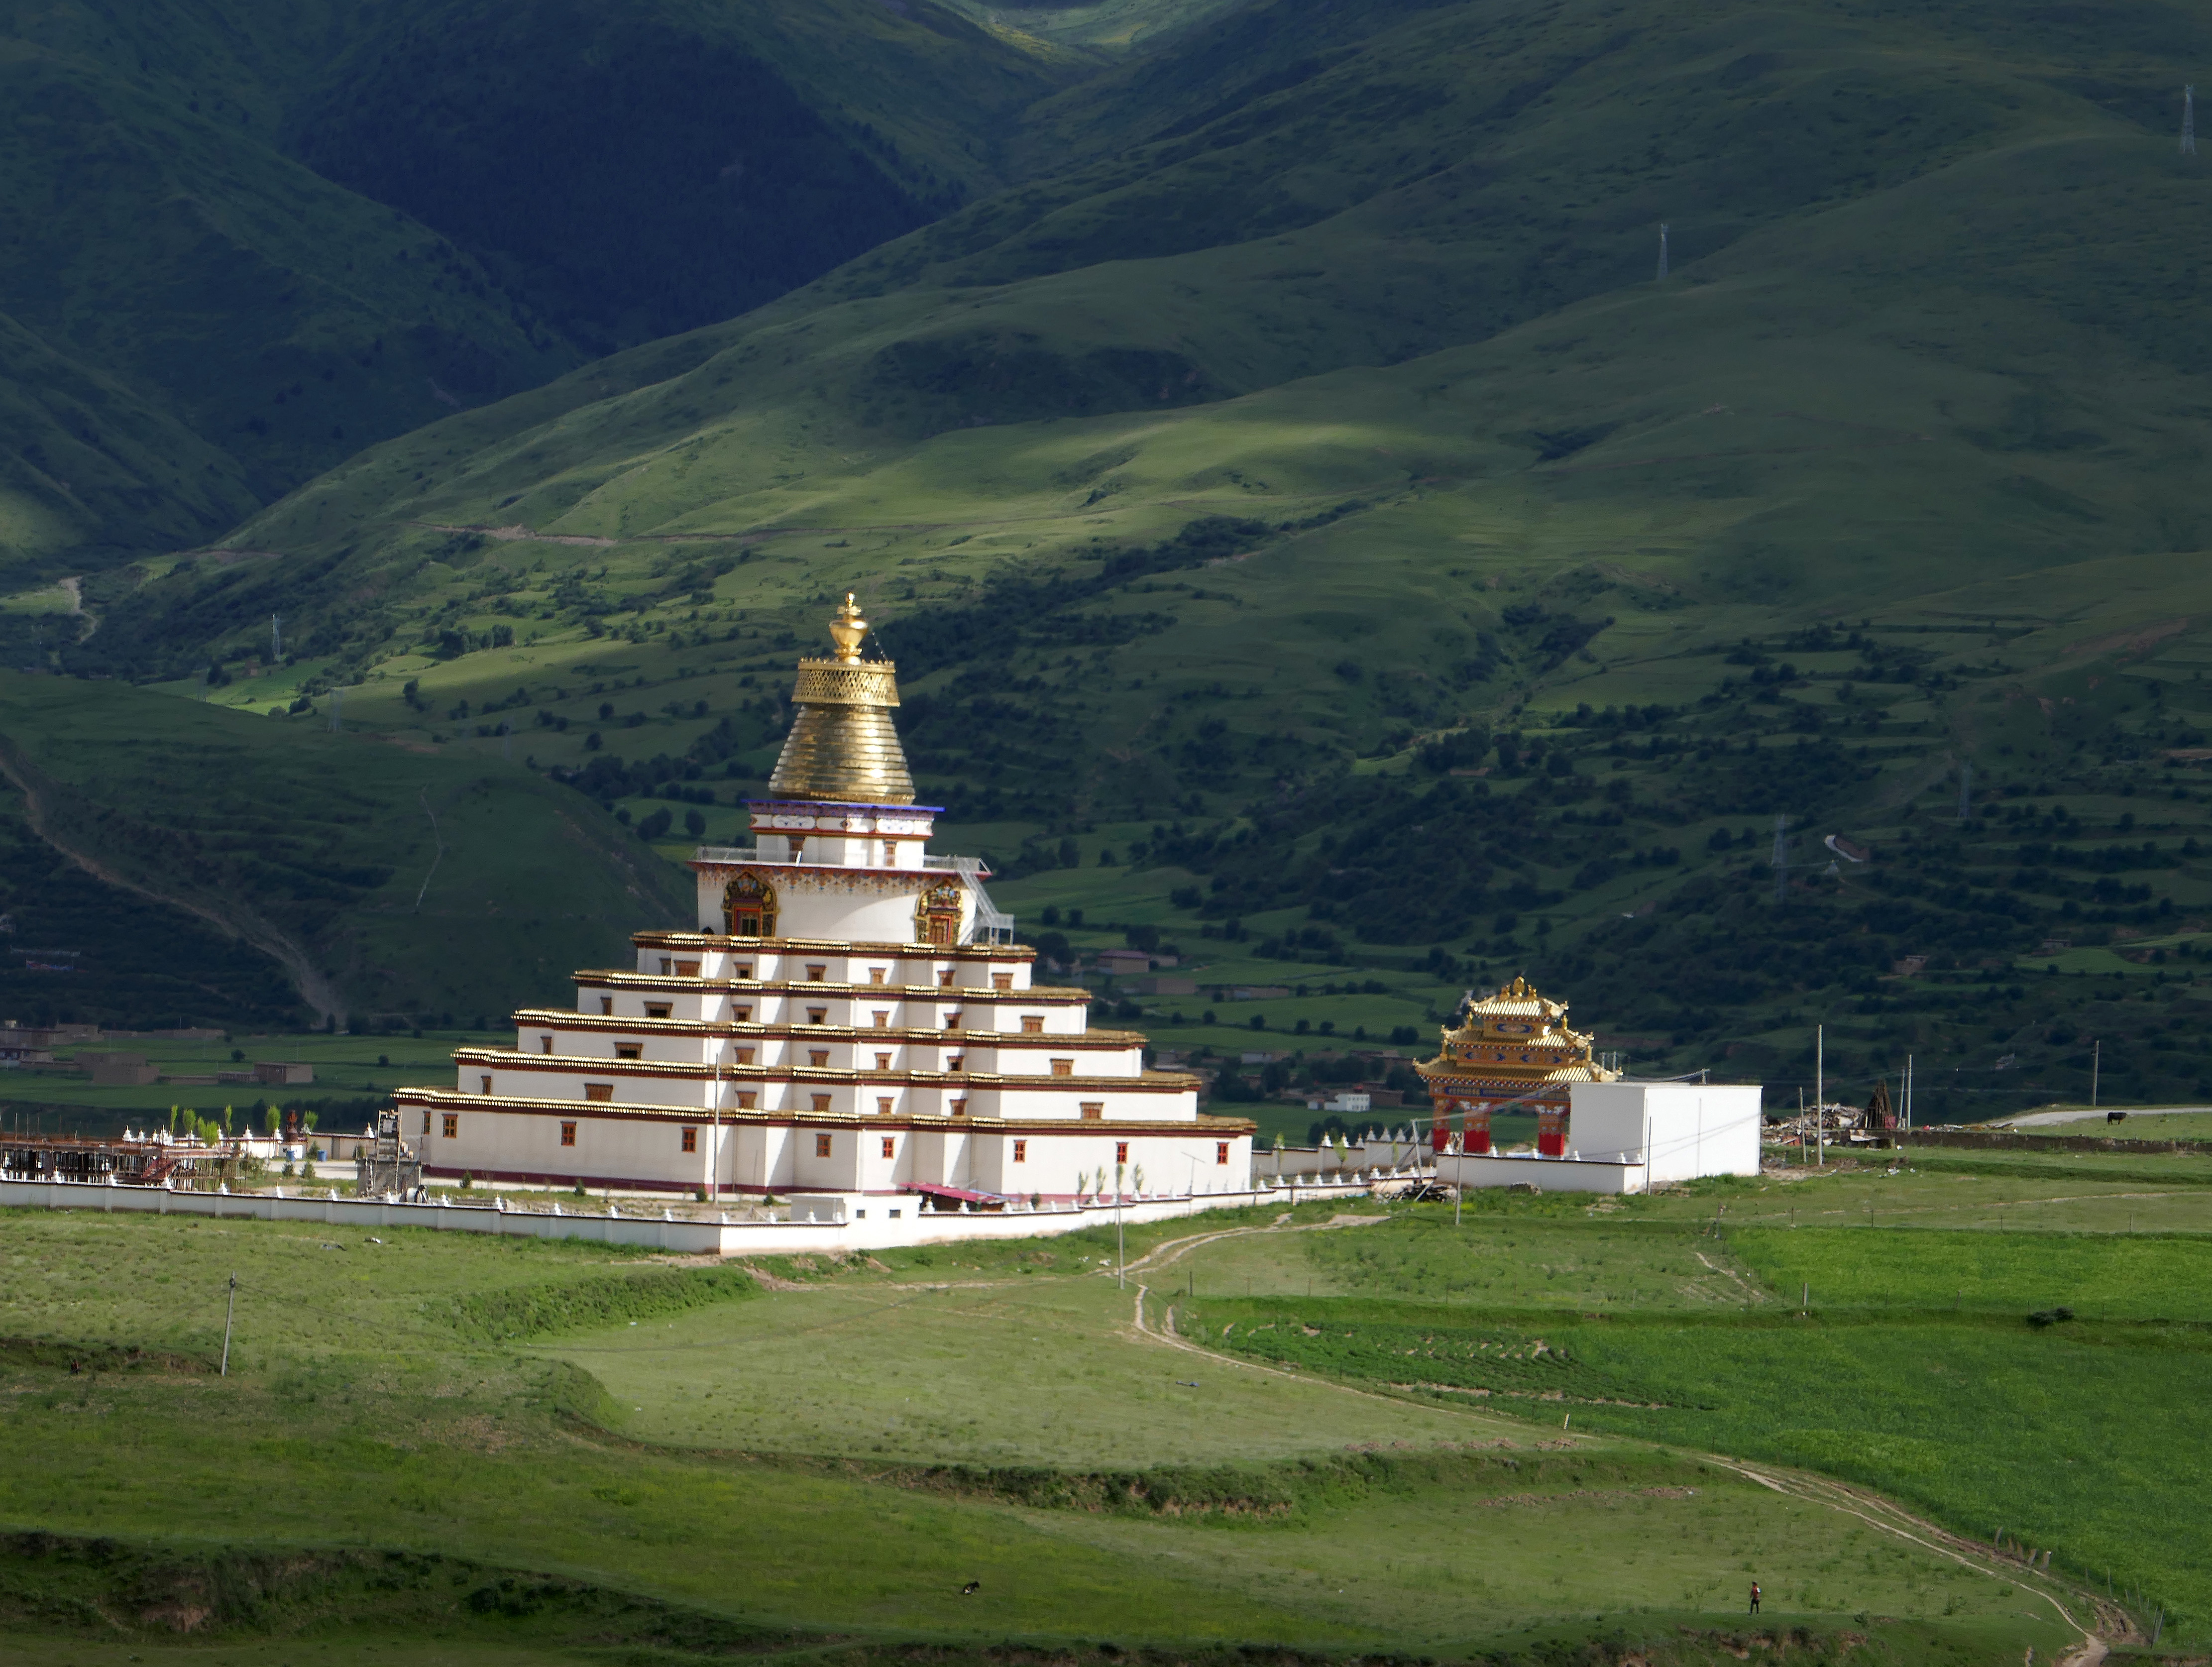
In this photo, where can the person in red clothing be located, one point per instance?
(1755, 1597)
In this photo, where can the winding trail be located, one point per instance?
(316, 990)
(2106, 1623)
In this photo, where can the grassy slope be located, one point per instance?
(172, 243)
(1917, 1352)
(1692, 461)
(1877, 389)
(180, 252)
(320, 846)
(486, 1450)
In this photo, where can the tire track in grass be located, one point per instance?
(2109, 1622)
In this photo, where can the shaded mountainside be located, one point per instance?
(292, 232)
(1310, 494)
(383, 881)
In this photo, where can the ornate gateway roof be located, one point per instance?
(1510, 1043)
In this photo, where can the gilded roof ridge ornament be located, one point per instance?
(847, 628)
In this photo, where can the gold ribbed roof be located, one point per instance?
(843, 747)
(1517, 1034)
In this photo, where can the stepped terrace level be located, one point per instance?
(849, 1015)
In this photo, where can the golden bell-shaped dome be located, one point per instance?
(843, 747)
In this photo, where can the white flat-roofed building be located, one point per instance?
(1625, 1136)
(849, 1014)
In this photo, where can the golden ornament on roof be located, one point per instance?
(847, 628)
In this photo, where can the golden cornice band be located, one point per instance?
(834, 683)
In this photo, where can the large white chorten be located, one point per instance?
(851, 1015)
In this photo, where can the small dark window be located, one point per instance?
(567, 1134)
(690, 1140)
(822, 1141)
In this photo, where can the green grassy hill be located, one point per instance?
(573, 1450)
(226, 869)
(242, 247)
(1303, 489)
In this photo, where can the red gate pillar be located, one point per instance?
(1552, 1131)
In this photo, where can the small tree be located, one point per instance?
(308, 1121)
(226, 1121)
(272, 1120)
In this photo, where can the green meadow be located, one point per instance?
(1339, 1428)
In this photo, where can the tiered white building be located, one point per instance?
(849, 1016)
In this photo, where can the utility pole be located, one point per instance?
(2189, 121)
(1663, 251)
(2096, 1066)
(1120, 1248)
(230, 1309)
(1821, 1087)
(1908, 1094)
(276, 639)
(1781, 858)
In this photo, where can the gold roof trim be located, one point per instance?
(1516, 1037)
(843, 747)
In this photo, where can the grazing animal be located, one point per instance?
(971, 1588)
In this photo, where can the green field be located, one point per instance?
(1111, 1463)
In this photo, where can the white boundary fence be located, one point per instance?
(914, 1225)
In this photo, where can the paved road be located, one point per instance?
(2038, 1119)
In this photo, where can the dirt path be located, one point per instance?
(2106, 1623)
(314, 988)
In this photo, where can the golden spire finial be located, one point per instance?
(846, 629)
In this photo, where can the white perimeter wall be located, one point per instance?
(880, 1231)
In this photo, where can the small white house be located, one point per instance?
(1630, 1137)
